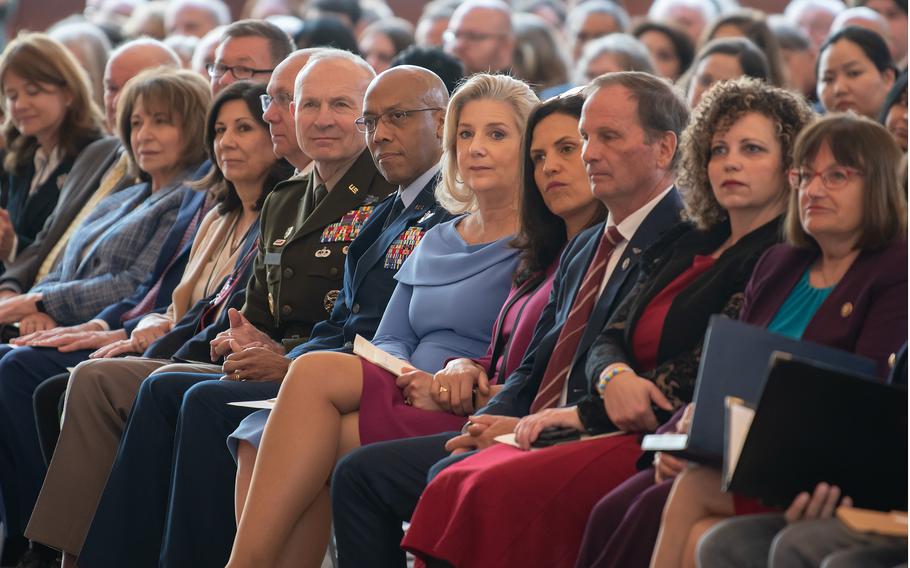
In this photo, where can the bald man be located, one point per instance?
(480, 35)
(99, 171)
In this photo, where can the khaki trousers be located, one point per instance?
(99, 397)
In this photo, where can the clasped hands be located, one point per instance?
(251, 354)
(460, 388)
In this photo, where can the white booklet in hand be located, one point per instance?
(267, 404)
(363, 348)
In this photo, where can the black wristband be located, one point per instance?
(593, 415)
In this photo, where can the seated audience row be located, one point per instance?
(255, 219)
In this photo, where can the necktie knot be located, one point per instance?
(614, 236)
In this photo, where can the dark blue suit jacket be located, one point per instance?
(368, 285)
(521, 387)
(169, 272)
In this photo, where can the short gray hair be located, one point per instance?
(612, 9)
(631, 53)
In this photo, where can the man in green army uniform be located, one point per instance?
(308, 222)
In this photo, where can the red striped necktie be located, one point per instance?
(560, 364)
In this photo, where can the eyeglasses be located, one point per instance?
(284, 100)
(450, 36)
(396, 118)
(835, 177)
(240, 72)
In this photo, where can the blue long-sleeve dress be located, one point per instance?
(447, 298)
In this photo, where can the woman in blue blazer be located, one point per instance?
(51, 116)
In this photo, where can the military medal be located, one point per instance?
(329, 301)
(402, 247)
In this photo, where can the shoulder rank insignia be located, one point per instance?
(402, 247)
(348, 227)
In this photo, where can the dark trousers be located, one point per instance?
(48, 402)
(374, 489)
(22, 465)
(170, 494)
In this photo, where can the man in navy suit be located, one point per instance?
(630, 125)
(403, 117)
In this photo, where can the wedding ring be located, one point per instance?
(237, 376)
(443, 389)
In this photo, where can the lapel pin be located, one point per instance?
(353, 189)
(846, 310)
(636, 250)
(426, 216)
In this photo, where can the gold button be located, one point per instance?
(846, 310)
(891, 359)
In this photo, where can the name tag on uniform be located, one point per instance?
(273, 258)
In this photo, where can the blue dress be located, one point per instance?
(447, 298)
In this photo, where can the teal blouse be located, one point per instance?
(794, 315)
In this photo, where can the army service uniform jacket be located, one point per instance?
(299, 266)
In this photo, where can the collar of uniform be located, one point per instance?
(409, 194)
(333, 181)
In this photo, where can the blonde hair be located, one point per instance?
(451, 192)
(38, 58)
(183, 94)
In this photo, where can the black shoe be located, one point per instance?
(39, 556)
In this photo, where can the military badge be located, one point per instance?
(323, 253)
(329, 301)
(353, 189)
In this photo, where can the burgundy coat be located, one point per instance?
(866, 313)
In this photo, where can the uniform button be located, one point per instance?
(285, 310)
(334, 271)
(288, 272)
(355, 308)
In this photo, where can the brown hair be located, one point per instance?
(38, 58)
(719, 108)
(660, 107)
(183, 94)
(860, 143)
(280, 44)
(222, 189)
